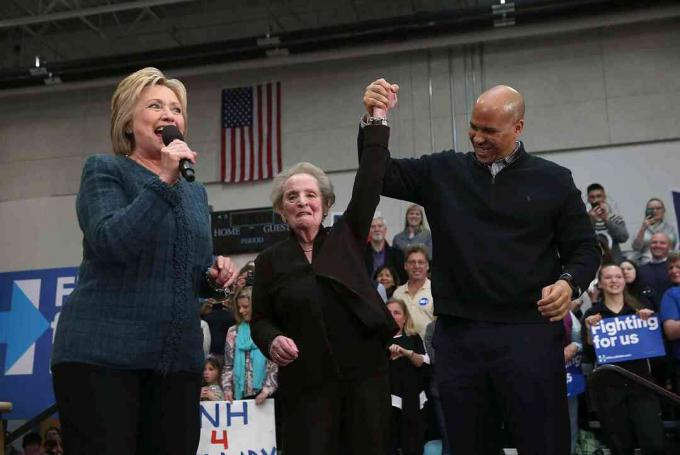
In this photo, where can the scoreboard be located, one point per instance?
(246, 231)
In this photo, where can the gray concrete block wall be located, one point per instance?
(589, 94)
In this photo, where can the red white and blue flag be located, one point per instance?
(251, 133)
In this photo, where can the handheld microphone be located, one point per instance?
(170, 133)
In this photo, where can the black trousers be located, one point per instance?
(127, 412)
(631, 417)
(340, 417)
(490, 374)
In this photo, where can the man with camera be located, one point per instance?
(606, 224)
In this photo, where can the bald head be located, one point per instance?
(496, 123)
(502, 99)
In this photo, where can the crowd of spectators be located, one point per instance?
(35, 444)
(644, 281)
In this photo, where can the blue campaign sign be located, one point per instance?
(30, 302)
(576, 382)
(627, 338)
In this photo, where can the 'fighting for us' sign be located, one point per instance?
(627, 337)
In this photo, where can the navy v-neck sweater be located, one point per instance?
(497, 240)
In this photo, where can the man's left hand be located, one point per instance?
(555, 300)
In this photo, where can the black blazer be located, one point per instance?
(290, 294)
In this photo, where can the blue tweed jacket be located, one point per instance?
(146, 248)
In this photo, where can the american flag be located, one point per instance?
(251, 133)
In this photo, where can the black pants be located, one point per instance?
(348, 417)
(490, 373)
(631, 417)
(127, 412)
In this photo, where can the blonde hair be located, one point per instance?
(409, 327)
(423, 226)
(243, 293)
(125, 99)
(325, 185)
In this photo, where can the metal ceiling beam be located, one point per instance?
(79, 13)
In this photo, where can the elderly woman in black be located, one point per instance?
(317, 314)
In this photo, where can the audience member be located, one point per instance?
(630, 414)
(245, 277)
(247, 373)
(388, 277)
(607, 256)
(416, 292)
(416, 231)
(670, 315)
(407, 386)
(605, 222)
(52, 442)
(654, 273)
(572, 349)
(219, 319)
(634, 283)
(379, 252)
(53, 434)
(32, 444)
(205, 328)
(652, 223)
(211, 390)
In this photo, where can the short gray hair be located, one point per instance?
(325, 185)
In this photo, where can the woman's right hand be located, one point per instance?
(283, 350)
(171, 155)
(228, 396)
(593, 320)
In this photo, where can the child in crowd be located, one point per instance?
(247, 373)
(212, 391)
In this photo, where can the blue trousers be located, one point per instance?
(495, 374)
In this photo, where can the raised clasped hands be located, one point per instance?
(380, 95)
(222, 272)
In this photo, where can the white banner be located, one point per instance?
(237, 428)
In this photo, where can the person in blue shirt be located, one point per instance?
(670, 314)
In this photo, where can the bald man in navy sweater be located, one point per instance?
(513, 243)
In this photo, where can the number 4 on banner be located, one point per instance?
(214, 439)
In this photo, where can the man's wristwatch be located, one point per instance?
(376, 121)
(575, 290)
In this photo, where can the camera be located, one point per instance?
(649, 213)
